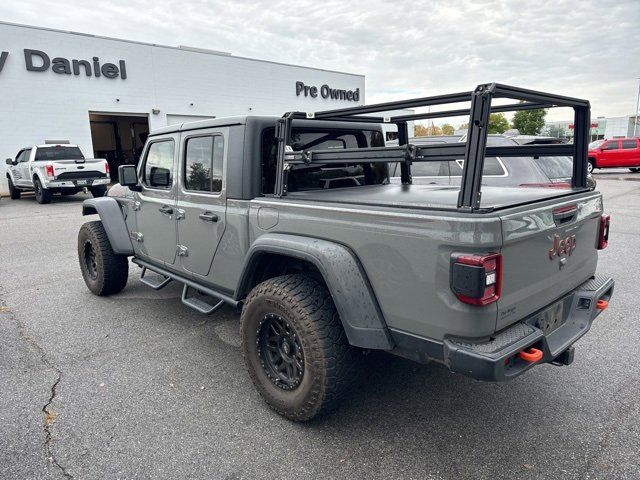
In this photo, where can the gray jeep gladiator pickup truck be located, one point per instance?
(295, 221)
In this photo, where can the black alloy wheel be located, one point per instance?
(280, 352)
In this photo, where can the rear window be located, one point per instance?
(555, 167)
(59, 152)
(318, 176)
(629, 143)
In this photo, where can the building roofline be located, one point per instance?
(190, 49)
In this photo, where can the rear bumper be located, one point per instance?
(498, 359)
(77, 183)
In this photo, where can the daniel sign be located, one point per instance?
(39, 61)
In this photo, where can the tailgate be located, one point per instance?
(547, 251)
(90, 166)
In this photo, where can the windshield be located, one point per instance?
(59, 152)
(596, 144)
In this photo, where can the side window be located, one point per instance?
(612, 145)
(203, 163)
(24, 156)
(626, 144)
(158, 165)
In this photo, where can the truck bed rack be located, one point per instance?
(473, 150)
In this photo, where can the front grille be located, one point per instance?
(80, 174)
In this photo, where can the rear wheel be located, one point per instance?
(103, 271)
(590, 166)
(98, 190)
(43, 195)
(295, 348)
(13, 191)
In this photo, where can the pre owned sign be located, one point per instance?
(327, 92)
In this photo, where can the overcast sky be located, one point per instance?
(588, 49)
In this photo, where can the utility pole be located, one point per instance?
(635, 120)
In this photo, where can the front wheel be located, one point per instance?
(43, 195)
(590, 166)
(98, 190)
(295, 348)
(104, 272)
(13, 191)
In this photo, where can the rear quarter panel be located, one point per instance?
(405, 253)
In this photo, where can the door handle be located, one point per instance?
(166, 210)
(208, 217)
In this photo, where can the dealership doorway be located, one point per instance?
(118, 138)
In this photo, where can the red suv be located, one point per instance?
(619, 152)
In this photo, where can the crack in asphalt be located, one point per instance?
(48, 414)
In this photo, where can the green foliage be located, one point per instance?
(529, 122)
(498, 123)
(447, 129)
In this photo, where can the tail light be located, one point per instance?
(48, 169)
(476, 279)
(603, 235)
(106, 167)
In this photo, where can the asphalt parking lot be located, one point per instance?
(139, 386)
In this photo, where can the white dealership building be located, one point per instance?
(105, 94)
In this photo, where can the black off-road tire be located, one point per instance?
(591, 165)
(329, 362)
(98, 190)
(104, 272)
(13, 191)
(43, 195)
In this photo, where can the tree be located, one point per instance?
(463, 126)
(420, 131)
(447, 129)
(529, 122)
(498, 123)
(426, 130)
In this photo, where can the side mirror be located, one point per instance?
(9, 161)
(128, 177)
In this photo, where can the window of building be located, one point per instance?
(203, 163)
(158, 165)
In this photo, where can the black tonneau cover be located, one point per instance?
(430, 197)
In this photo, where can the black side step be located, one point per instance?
(197, 304)
(155, 284)
(186, 281)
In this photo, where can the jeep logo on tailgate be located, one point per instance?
(560, 247)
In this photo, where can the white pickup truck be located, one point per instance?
(56, 168)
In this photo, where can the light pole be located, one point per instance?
(635, 120)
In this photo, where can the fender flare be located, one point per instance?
(36, 172)
(112, 221)
(344, 276)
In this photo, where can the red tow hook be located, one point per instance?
(602, 304)
(531, 355)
